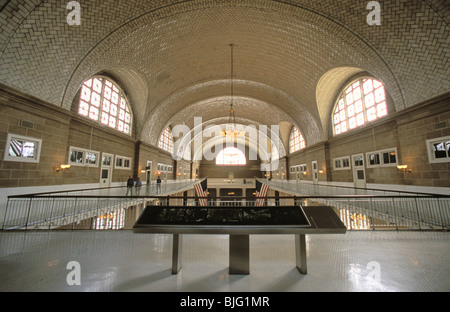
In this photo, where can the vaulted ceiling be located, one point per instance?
(172, 58)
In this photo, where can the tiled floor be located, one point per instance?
(123, 261)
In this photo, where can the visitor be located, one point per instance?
(158, 185)
(130, 184)
(138, 186)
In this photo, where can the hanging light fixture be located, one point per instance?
(231, 127)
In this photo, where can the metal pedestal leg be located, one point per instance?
(300, 253)
(176, 253)
(239, 254)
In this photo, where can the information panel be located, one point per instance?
(241, 216)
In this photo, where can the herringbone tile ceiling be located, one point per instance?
(172, 57)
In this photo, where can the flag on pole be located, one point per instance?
(201, 189)
(261, 192)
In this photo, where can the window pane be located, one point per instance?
(83, 109)
(28, 149)
(439, 150)
(97, 86)
(107, 93)
(374, 159)
(76, 157)
(368, 86)
(91, 158)
(95, 99)
(346, 163)
(369, 100)
(86, 94)
(106, 161)
(381, 109)
(380, 95)
(15, 148)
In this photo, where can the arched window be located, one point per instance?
(296, 141)
(361, 102)
(231, 156)
(166, 140)
(102, 100)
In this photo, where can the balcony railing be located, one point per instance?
(105, 212)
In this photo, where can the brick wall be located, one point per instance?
(60, 130)
(18, 116)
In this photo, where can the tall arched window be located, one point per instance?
(102, 100)
(231, 156)
(361, 102)
(296, 141)
(166, 140)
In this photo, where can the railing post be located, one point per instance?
(395, 215)
(418, 215)
(440, 213)
(28, 214)
(51, 214)
(6, 214)
(73, 216)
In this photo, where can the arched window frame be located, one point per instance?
(296, 140)
(103, 101)
(223, 159)
(165, 141)
(359, 103)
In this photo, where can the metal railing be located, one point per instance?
(101, 212)
(306, 188)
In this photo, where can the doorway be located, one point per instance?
(106, 170)
(315, 172)
(359, 172)
(148, 172)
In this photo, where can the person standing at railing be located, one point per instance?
(158, 185)
(138, 186)
(130, 184)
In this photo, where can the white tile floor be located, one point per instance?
(123, 261)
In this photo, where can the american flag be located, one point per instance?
(201, 190)
(261, 192)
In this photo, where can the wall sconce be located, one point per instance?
(321, 171)
(304, 173)
(62, 168)
(143, 171)
(404, 168)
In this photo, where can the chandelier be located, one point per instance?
(231, 130)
